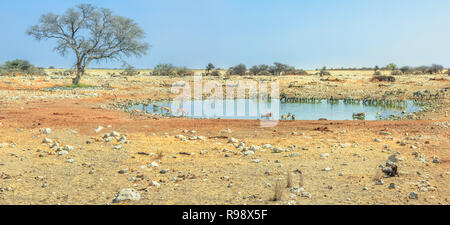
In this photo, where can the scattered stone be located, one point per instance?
(232, 140)
(379, 182)
(254, 148)
(63, 152)
(70, 160)
(47, 140)
(228, 154)
(99, 128)
(122, 171)
(267, 146)
(256, 160)
(155, 184)
(277, 150)
(391, 185)
(68, 148)
(384, 133)
(377, 140)
(127, 194)
(249, 153)
(228, 130)
(153, 164)
(47, 131)
(117, 147)
(436, 159)
(164, 171)
(305, 194)
(327, 169)
(413, 195)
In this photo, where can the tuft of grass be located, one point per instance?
(159, 154)
(289, 180)
(80, 85)
(278, 192)
(301, 180)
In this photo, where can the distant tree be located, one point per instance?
(240, 69)
(20, 66)
(406, 69)
(129, 70)
(278, 68)
(301, 72)
(436, 68)
(423, 69)
(209, 68)
(259, 69)
(376, 68)
(92, 34)
(391, 66)
(216, 73)
(164, 70)
(51, 67)
(183, 71)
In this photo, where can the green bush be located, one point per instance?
(20, 67)
(164, 70)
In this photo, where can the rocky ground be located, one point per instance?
(72, 146)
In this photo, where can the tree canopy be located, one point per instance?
(92, 34)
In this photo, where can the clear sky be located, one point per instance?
(306, 34)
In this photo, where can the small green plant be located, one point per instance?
(79, 85)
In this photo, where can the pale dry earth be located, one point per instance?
(31, 172)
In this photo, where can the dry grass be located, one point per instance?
(301, 180)
(159, 154)
(289, 180)
(278, 192)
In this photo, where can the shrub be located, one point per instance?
(324, 73)
(301, 72)
(20, 66)
(215, 73)
(129, 71)
(209, 68)
(396, 72)
(377, 73)
(183, 71)
(436, 68)
(383, 78)
(240, 69)
(164, 70)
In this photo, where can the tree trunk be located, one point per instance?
(76, 80)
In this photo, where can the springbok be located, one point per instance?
(267, 115)
(135, 112)
(285, 117)
(169, 110)
(361, 114)
(182, 111)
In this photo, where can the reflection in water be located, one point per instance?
(302, 110)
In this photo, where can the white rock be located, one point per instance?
(47, 131)
(47, 140)
(99, 128)
(127, 194)
(155, 184)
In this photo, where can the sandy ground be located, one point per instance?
(213, 171)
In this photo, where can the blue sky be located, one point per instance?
(305, 34)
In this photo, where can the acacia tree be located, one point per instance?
(92, 34)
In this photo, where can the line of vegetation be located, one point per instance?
(20, 67)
